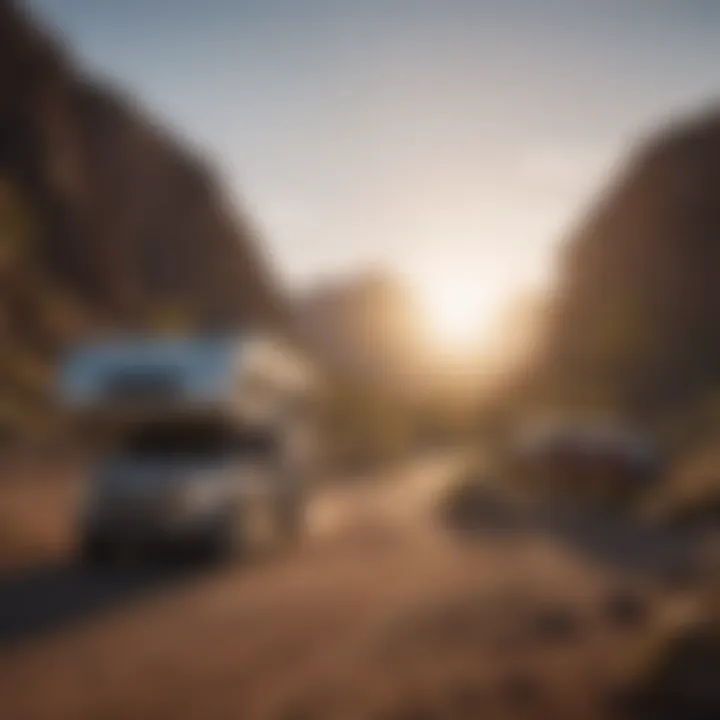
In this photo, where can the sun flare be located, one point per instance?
(464, 303)
(453, 314)
(458, 310)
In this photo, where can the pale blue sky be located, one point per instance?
(451, 140)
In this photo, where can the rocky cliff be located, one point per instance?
(635, 322)
(368, 329)
(106, 220)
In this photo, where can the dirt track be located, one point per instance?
(381, 613)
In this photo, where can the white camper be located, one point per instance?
(213, 441)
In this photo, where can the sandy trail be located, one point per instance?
(380, 608)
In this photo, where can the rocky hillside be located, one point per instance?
(369, 329)
(105, 219)
(634, 325)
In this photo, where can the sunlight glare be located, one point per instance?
(453, 313)
(459, 310)
(464, 302)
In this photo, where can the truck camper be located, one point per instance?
(212, 441)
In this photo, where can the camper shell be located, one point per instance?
(249, 377)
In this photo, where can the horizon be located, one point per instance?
(406, 137)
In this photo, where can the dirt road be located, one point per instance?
(380, 613)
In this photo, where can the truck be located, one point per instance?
(603, 463)
(211, 443)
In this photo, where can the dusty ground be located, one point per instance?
(382, 613)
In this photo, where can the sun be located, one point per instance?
(466, 301)
(458, 313)
(462, 303)
(453, 314)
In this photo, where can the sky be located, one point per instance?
(452, 141)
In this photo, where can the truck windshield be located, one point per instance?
(206, 440)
